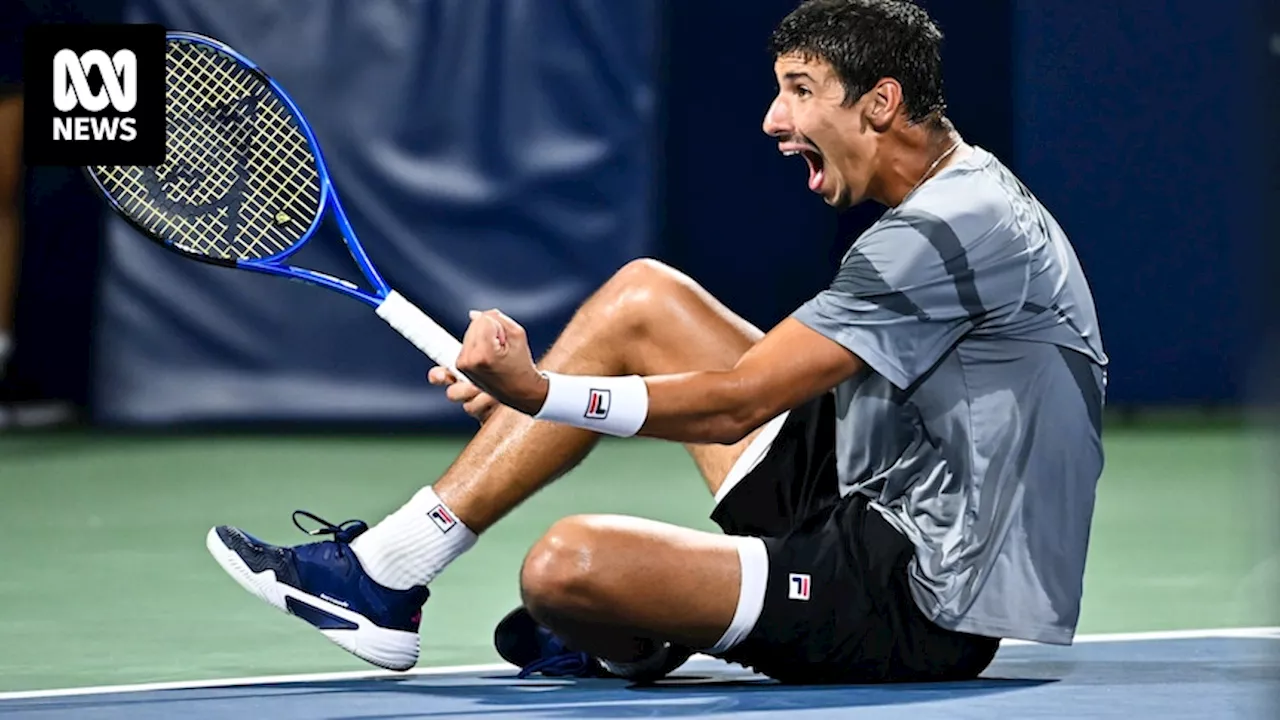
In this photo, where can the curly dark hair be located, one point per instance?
(866, 40)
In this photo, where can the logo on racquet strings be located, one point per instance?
(94, 94)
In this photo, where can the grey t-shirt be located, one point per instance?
(976, 426)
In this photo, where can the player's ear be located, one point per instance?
(882, 102)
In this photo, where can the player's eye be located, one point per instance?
(802, 91)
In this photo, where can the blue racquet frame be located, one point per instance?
(272, 265)
(415, 325)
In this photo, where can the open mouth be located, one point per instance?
(812, 158)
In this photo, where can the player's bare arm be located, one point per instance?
(791, 364)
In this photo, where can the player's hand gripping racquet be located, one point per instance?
(244, 184)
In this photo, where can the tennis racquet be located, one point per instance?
(244, 184)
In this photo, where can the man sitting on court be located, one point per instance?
(904, 468)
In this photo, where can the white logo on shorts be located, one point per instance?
(798, 587)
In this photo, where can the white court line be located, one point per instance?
(263, 680)
(1254, 632)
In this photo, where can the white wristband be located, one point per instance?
(609, 405)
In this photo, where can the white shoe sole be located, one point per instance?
(390, 649)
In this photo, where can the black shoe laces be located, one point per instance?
(344, 532)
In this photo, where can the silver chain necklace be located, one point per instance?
(932, 167)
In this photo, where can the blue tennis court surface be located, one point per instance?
(1233, 674)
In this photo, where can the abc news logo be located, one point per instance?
(94, 94)
(71, 91)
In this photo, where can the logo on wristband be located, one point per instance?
(597, 404)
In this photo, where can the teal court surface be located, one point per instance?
(111, 607)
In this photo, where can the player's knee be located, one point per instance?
(640, 291)
(644, 271)
(558, 577)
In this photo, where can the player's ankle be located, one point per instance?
(414, 544)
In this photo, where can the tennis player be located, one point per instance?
(904, 468)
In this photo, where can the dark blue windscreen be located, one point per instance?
(1140, 128)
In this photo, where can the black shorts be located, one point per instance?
(859, 623)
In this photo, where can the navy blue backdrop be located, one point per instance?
(1142, 130)
(494, 155)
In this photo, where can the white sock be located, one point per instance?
(412, 545)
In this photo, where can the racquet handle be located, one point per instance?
(422, 331)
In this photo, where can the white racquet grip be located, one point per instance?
(421, 330)
(609, 405)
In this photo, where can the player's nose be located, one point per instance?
(777, 120)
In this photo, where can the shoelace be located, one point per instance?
(567, 663)
(344, 532)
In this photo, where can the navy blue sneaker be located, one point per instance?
(324, 584)
(521, 641)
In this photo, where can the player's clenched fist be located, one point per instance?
(496, 357)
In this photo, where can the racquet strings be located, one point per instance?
(239, 180)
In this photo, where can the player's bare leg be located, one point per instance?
(648, 320)
(605, 583)
(611, 586)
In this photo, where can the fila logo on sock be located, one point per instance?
(798, 587)
(442, 518)
(597, 404)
